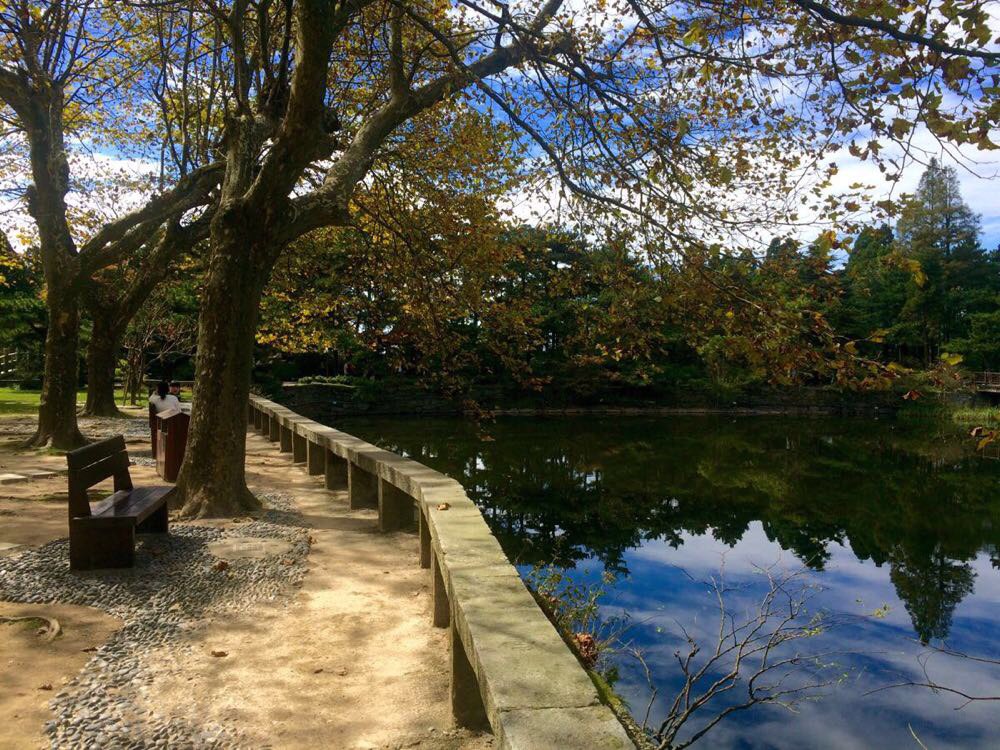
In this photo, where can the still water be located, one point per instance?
(887, 534)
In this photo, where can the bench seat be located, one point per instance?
(138, 504)
(103, 536)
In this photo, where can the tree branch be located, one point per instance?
(190, 191)
(329, 204)
(898, 34)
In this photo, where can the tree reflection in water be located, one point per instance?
(581, 491)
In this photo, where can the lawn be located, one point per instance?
(14, 401)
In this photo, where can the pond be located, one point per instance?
(879, 540)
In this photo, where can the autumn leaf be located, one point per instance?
(953, 360)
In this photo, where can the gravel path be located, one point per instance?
(176, 583)
(94, 428)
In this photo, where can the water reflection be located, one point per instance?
(882, 515)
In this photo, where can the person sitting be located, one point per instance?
(162, 400)
(175, 389)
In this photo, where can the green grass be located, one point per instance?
(27, 623)
(15, 402)
(979, 416)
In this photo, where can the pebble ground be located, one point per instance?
(176, 584)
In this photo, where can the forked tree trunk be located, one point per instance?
(213, 480)
(102, 357)
(57, 412)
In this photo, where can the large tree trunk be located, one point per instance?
(42, 110)
(212, 480)
(102, 357)
(57, 411)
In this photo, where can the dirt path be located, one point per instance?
(32, 668)
(353, 662)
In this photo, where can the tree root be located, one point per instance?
(49, 632)
(209, 505)
(43, 439)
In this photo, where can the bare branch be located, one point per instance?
(888, 29)
(190, 191)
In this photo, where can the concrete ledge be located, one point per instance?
(509, 665)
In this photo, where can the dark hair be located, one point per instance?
(174, 384)
(162, 388)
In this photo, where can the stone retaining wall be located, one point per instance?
(510, 669)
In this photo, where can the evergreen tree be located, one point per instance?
(875, 288)
(22, 310)
(951, 278)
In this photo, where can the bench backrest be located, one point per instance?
(92, 464)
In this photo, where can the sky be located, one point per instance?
(980, 186)
(978, 171)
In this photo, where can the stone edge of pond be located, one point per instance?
(534, 692)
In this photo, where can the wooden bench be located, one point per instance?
(104, 536)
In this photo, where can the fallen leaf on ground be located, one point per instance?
(220, 654)
(221, 565)
(317, 671)
(443, 506)
(46, 686)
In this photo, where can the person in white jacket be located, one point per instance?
(162, 399)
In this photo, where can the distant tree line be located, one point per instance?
(930, 288)
(530, 307)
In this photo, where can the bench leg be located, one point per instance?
(441, 607)
(425, 541)
(94, 546)
(466, 698)
(298, 449)
(335, 470)
(395, 507)
(158, 523)
(362, 487)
